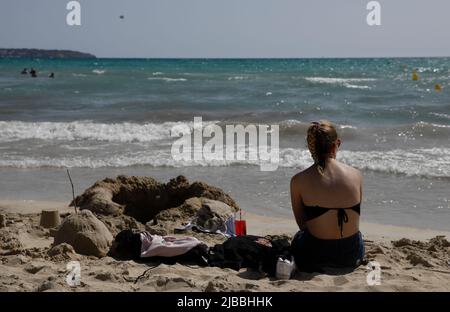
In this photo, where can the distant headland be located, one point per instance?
(38, 53)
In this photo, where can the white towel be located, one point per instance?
(165, 246)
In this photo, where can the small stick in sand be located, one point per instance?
(145, 272)
(73, 191)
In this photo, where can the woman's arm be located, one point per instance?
(360, 187)
(297, 203)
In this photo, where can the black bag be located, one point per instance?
(250, 251)
(127, 245)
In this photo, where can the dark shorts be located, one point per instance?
(312, 254)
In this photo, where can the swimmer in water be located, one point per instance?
(33, 73)
(52, 75)
(24, 71)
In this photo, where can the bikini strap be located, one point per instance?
(342, 218)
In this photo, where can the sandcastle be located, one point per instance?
(142, 203)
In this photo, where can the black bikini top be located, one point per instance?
(313, 212)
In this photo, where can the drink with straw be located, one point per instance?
(240, 225)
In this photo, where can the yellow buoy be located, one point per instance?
(437, 88)
(415, 77)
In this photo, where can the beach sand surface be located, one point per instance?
(410, 260)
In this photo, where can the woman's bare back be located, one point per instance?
(338, 187)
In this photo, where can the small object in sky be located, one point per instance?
(122, 16)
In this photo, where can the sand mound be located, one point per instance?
(88, 235)
(9, 243)
(212, 215)
(429, 254)
(62, 252)
(143, 197)
(115, 224)
(201, 211)
(142, 203)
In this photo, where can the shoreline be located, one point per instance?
(371, 231)
(256, 224)
(414, 202)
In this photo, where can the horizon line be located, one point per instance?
(224, 57)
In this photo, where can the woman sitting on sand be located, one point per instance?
(326, 200)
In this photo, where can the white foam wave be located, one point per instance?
(98, 71)
(428, 69)
(238, 78)
(167, 79)
(126, 132)
(294, 124)
(350, 86)
(346, 82)
(441, 115)
(432, 163)
(84, 130)
(338, 80)
(119, 161)
(11, 131)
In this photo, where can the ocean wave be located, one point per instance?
(441, 115)
(98, 71)
(346, 82)
(296, 127)
(428, 163)
(428, 69)
(350, 86)
(11, 131)
(167, 79)
(338, 80)
(125, 132)
(417, 130)
(412, 131)
(128, 132)
(432, 162)
(238, 78)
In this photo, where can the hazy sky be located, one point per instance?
(230, 28)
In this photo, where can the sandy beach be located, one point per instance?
(134, 135)
(410, 260)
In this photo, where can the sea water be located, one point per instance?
(103, 117)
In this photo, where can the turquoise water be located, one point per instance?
(115, 115)
(118, 113)
(351, 91)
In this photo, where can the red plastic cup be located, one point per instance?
(241, 227)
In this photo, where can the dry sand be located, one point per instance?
(412, 264)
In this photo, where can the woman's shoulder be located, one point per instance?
(302, 175)
(349, 170)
